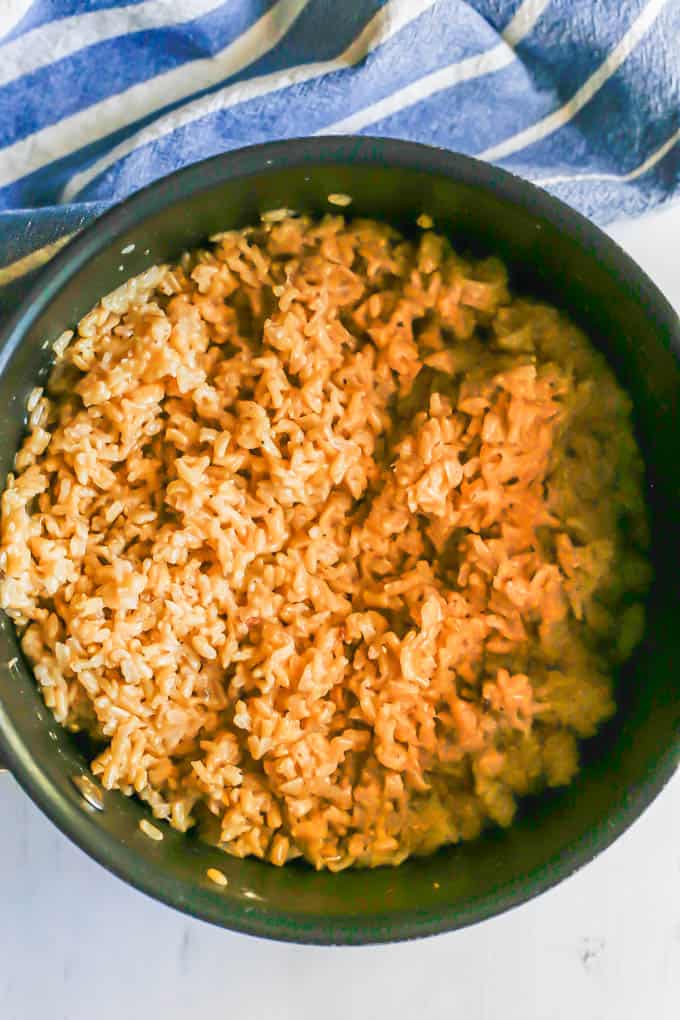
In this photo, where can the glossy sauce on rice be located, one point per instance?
(332, 542)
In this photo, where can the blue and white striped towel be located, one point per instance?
(99, 97)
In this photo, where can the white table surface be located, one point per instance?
(77, 944)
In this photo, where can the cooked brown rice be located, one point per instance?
(329, 540)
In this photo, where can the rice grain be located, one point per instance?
(150, 830)
(217, 876)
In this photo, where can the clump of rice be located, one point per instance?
(332, 542)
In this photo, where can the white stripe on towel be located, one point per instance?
(631, 175)
(46, 44)
(12, 13)
(548, 125)
(389, 20)
(118, 111)
(495, 59)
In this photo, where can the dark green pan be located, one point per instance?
(552, 252)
